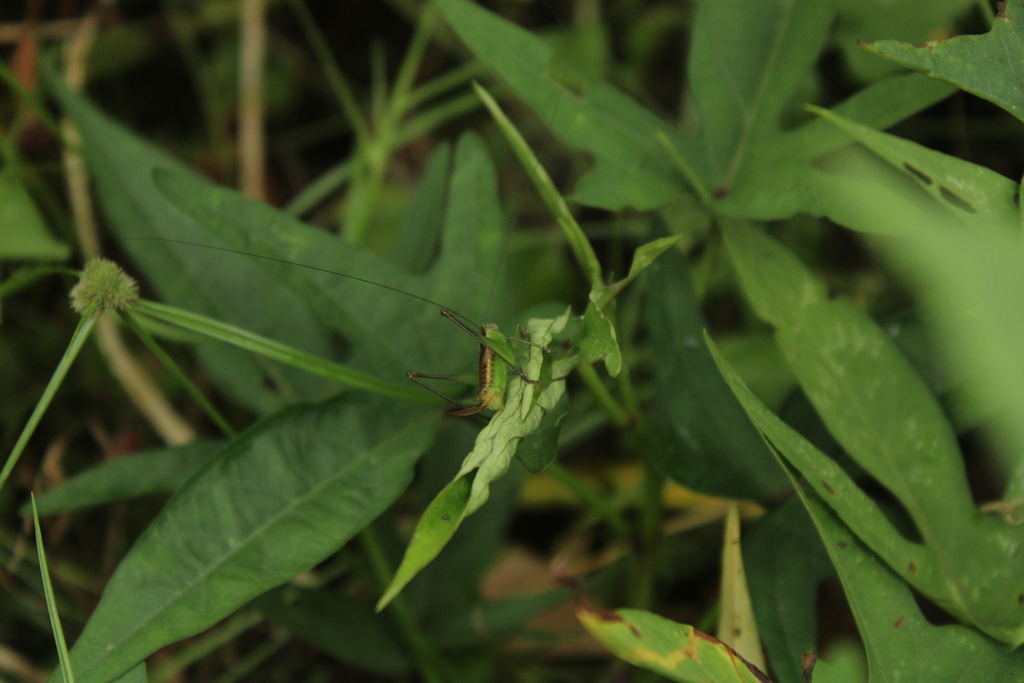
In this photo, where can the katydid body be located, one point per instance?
(493, 375)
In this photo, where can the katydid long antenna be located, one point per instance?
(466, 323)
(286, 262)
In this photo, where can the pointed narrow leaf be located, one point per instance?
(23, 232)
(588, 114)
(282, 497)
(434, 529)
(737, 627)
(153, 471)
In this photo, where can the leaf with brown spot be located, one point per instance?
(677, 651)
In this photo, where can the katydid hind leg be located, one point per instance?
(414, 376)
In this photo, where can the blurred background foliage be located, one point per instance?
(341, 150)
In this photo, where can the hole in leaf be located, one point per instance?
(956, 200)
(919, 174)
(935, 615)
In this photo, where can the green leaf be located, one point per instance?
(277, 501)
(873, 402)
(985, 65)
(23, 232)
(677, 651)
(704, 439)
(971, 283)
(201, 280)
(539, 449)
(390, 333)
(631, 167)
(340, 625)
(785, 564)
(599, 340)
(643, 257)
(51, 602)
(153, 471)
(954, 567)
(471, 553)
(860, 21)
(798, 170)
(525, 407)
(434, 529)
(901, 644)
(422, 222)
(747, 60)
(962, 191)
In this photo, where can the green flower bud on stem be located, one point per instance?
(104, 283)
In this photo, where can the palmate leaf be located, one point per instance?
(883, 415)
(748, 60)
(987, 65)
(274, 503)
(901, 644)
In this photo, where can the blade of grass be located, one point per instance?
(81, 333)
(281, 352)
(51, 603)
(179, 375)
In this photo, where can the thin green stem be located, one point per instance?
(428, 661)
(412, 61)
(450, 80)
(204, 645)
(435, 117)
(648, 549)
(252, 659)
(81, 333)
(175, 370)
(331, 180)
(591, 498)
(618, 416)
(335, 78)
(688, 171)
(51, 602)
